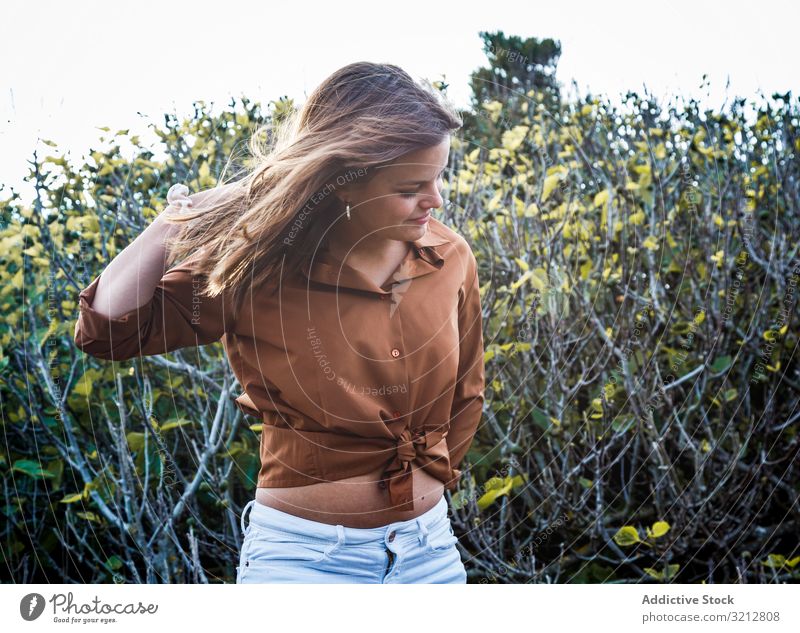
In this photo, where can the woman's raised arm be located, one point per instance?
(133, 308)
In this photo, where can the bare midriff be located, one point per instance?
(357, 502)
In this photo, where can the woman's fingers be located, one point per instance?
(178, 195)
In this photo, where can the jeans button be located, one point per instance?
(391, 536)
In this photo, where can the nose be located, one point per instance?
(433, 201)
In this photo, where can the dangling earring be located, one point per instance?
(348, 210)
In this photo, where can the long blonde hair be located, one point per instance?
(362, 116)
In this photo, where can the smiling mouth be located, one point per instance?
(422, 217)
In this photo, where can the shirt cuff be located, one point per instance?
(100, 327)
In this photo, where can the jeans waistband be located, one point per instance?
(267, 517)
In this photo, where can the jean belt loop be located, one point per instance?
(423, 531)
(244, 511)
(339, 541)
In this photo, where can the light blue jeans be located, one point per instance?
(283, 548)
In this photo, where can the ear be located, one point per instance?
(350, 185)
(345, 192)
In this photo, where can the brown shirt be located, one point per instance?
(347, 376)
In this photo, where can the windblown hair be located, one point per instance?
(270, 221)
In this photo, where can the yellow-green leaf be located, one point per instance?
(525, 276)
(626, 536)
(660, 528)
(549, 184)
(651, 243)
(601, 198)
(175, 423)
(497, 487)
(83, 386)
(135, 440)
(204, 170)
(700, 317)
(636, 218)
(513, 138)
(72, 498)
(775, 561)
(539, 278)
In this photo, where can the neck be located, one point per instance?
(345, 242)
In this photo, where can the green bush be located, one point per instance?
(639, 277)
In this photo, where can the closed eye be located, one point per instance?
(411, 194)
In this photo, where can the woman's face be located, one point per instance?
(387, 206)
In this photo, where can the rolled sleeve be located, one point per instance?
(176, 316)
(469, 390)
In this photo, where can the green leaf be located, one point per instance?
(541, 419)
(32, 469)
(135, 440)
(56, 470)
(459, 500)
(626, 536)
(720, 364)
(114, 562)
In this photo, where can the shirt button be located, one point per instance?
(395, 352)
(392, 534)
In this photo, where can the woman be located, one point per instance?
(350, 316)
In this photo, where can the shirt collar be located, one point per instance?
(423, 258)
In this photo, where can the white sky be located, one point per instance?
(67, 68)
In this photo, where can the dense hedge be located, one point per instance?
(639, 278)
(639, 275)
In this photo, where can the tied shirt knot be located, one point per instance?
(398, 476)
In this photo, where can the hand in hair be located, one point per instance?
(180, 201)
